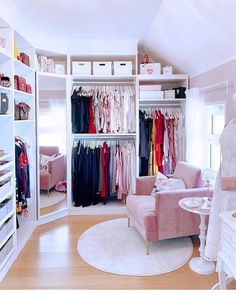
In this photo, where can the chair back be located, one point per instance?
(190, 174)
(49, 150)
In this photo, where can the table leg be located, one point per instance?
(199, 264)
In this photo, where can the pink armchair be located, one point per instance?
(160, 217)
(56, 168)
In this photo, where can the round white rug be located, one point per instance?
(54, 198)
(113, 247)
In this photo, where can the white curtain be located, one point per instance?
(52, 124)
(196, 131)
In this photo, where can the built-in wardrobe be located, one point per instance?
(103, 138)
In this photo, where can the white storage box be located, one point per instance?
(151, 95)
(122, 68)
(5, 188)
(150, 69)
(102, 68)
(169, 94)
(81, 68)
(150, 87)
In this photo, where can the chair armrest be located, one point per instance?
(144, 185)
(172, 220)
(165, 198)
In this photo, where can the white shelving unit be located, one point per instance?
(7, 184)
(167, 82)
(12, 240)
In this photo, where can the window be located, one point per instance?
(215, 125)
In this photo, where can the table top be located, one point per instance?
(196, 205)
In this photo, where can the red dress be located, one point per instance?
(92, 128)
(160, 129)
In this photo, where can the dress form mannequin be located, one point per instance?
(222, 200)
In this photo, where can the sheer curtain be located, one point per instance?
(196, 141)
(52, 124)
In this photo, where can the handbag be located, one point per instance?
(4, 102)
(22, 111)
(228, 183)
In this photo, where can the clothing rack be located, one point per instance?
(103, 83)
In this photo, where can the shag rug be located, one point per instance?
(114, 247)
(54, 198)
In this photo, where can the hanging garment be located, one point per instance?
(222, 200)
(22, 176)
(92, 127)
(99, 172)
(112, 109)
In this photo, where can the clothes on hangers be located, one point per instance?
(101, 170)
(162, 140)
(103, 109)
(22, 176)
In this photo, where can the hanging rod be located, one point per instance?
(102, 135)
(160, 105)
(81, 82)
(220, 85)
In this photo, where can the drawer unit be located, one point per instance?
(229, 253)
(228, 235)
(6, 228)
(122, 68)
(5, 250)
(3, 209)
(5, 187)
(81, 68)
(6, 207)
(102, 68)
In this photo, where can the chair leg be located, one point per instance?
(128, 222)
(148, 247)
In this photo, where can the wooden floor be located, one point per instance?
(50, 261)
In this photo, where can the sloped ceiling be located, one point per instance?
(89, 19)
(192, 35)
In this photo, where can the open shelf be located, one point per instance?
(161, 78)
(19, 93)
(4, 55)
(22, 68)
(5, 89)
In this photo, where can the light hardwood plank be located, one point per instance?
(50, 261)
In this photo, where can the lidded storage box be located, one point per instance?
(102, 68)
(150, 69)
(81, 68)
(122, 68)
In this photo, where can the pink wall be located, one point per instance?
(221, 73)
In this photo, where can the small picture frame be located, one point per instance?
(167, 70)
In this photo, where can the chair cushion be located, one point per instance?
(142, 209)
(168, 184)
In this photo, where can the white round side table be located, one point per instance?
(199, 206)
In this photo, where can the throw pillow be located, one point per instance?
(168, 184)
(44, 159)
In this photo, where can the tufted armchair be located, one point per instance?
(160, 217)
